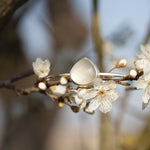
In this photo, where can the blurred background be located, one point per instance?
(65, 31)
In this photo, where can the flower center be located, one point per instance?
(148, 83)
(41, 70)
(148, 50)
(101, 93)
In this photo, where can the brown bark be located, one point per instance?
(67, 30)
(7, 9)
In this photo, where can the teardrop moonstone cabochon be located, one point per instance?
(84, 72)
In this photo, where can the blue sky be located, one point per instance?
(113, 14)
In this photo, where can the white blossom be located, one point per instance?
(140, 64)
(102, 94)
(84, 94)
(142, 84)
(145, 50)
(58, 90)
(41, 68)
(143, 63)
(106, 94)
(105, 106)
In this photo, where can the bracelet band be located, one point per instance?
(99, 74)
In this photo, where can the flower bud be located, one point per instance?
(63, 81)
(42, 86)
(60, 104)
(58, 90)
(133, 73)
(41, 68)
(121, 63)
(66, 99)
(75, 109)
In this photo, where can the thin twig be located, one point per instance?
(8, 82)
(26, 91)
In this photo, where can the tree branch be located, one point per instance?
(96, 34)
(7, 9)
(8, 82)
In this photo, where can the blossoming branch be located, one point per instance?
(85, 87)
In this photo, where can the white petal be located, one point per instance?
(106, 85)
(141, 83)
(87, 93)
(41, 68)
(146, 95)
(112, 95)
(90, 94)
(59, 90)
(140, 64)
(94, 104)
(147, 47)
(146, 50)
(98, 83)
(109, 85)
(78, 100)
(140, 56)
(147, 70)
(143, 49)
(81, 92)
(105, 106)
(83, 104)
(39, 60)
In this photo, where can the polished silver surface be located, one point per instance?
(99, 74)
(111, 74)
